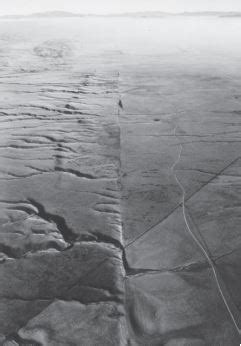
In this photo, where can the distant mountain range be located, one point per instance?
(209, 13)
(44, 15)
(150, 14)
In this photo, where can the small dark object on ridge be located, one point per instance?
(120, 104)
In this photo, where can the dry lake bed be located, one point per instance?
(120, 180)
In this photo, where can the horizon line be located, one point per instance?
(70, 13)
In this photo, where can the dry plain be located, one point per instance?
(120, 163)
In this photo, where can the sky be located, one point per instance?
(116, 6)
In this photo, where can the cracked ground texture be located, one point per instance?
(120, 180)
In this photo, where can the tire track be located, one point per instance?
(228, 302)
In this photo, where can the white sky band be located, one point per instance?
(116, 6)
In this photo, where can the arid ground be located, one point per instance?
(120, 163)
